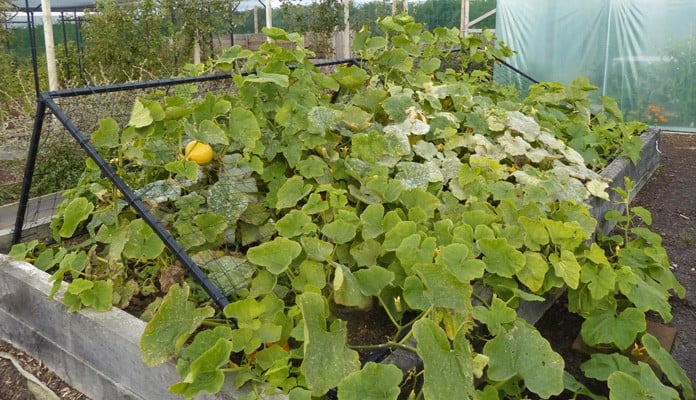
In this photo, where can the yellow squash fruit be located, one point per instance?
(200, 153)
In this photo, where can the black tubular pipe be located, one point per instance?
(45, 100)
(78, 44)
(517, 70)
(213, 291)
(119, 87)
(32, 42)
(65, 44)
(29, 169)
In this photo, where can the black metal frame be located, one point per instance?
(47, 101)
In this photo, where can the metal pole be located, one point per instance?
(32, 42)
(138, 206)
(80, 48)
(29, 169)
(65, 43)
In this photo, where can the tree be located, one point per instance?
(4, 17)
(321, 19)
(198, 20)
(151, 38)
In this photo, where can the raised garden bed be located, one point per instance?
(98, 353)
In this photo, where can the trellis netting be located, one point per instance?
(640, 52)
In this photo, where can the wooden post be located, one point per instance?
(395, 7)
(256, 19)
(50, 45)
(406, 6)
(464, 20)
(269, 16)
(196, 48)
(346, 29)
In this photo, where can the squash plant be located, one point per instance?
(431, 192)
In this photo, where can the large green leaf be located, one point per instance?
(601, 366)
(78, 210)
(316, 248)
(143, 243)
(295, 223)
(371, 219)
(368, 146)
(292, 191)
(647, 295)
(373, 279)
(210, 132)
(84, 293)
(201, 343)
(204, 373)
(415, 293)
(500, 257)
(346, 288)
(312, 167)
(264, 77)
(366, 253)
(395, 236)
(523, 352)
(600, 280)
(342, 229)
(140, 115)
(671, 369)
(372, 382)
(623, 386)
(497, 317)
(536, 234)
(352, 77)
(107, 136)
(444, 290)
(312, 275)
(244, 127)
(175, 320)
(327, 360)
(230, 273)
(605, 327)
(322, 119)
(533, 274)
(225, 199)
(448, 368)
(455, 257)
(566, 266)
(275, 255)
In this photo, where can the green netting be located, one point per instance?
(640, 52)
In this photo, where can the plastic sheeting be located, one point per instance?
(640, 52)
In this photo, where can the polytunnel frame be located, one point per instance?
(47, 101)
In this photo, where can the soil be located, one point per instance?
(14, 386)
(670, 195)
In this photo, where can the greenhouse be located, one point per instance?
(622, 46)
(344, 199)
